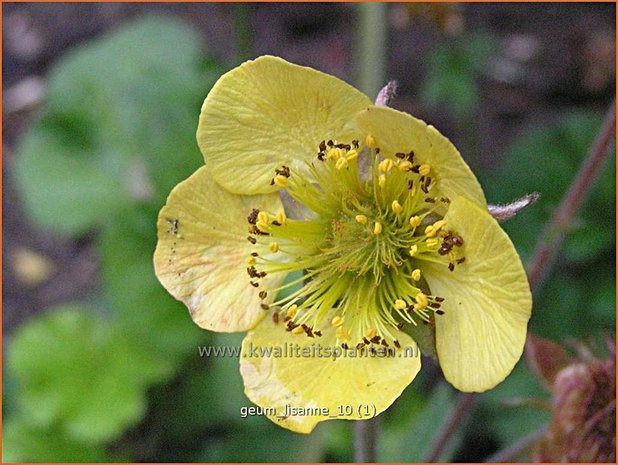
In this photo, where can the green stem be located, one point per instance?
(242, 31)
(371, 53)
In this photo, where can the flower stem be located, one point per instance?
(549, 243)
(461, 411)
(365, 439)
(371, 52)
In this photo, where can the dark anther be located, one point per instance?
(458, 241)
(430, 200)
(434, 305)
(461, 260)
(355, 144)
(272, 182)
(377, 150)
(262, 274)
(411, 156)
(254, 254)
(252, 272)
(415, 168)
(276, 317)
(451, 266)
(375, 339)
(400, 325)
(251, 239)
(445, 200)
(396, 342)
(264, 306)
(400, 155)
(410, 184)
(262, 294)
(307, 330)
(366, 341)
(330, 143)
(318, 333)
(440, 312)
(345, 346)
(283, 171)
(424, 188)
(254, 284)
(444, 249)
(439, 299)
(252, 218)
(322, 146)
(321, 156)
(275, 223)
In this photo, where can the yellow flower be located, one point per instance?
(381, 250)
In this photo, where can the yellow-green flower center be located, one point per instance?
(360, 242)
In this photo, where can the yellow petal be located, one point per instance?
(314, 382)
(267, 113)
(399, 132)
(481, 335)
(202, 251)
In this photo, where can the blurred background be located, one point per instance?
(100, 108)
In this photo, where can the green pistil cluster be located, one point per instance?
(359, 244)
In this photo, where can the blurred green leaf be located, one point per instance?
(410, 440)
(61, 190)
(453, 73)
(546, 160)
(22, 442)
(77, 371)
(119, 126)
(514, 422)
(161, 325)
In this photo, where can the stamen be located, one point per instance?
(424, 170)
(280, 181)
(361, 219)
(377, 228)
(298, 330)
(370, 141)
(291, 312)
(396, 207)
(337, 321)
(416, 275)
(381, 180)
(415, 221)
(273, 247)
(400, 304)
(385, 165)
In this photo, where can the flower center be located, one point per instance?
(367, 224)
